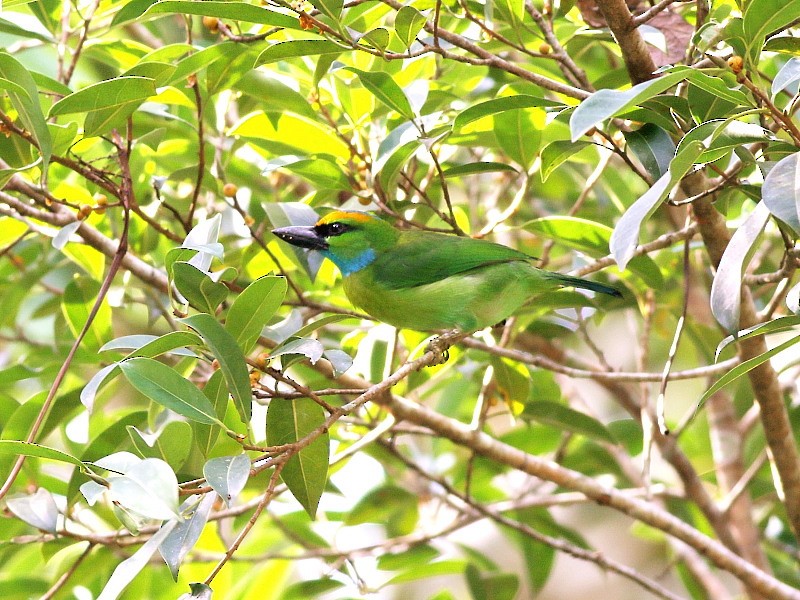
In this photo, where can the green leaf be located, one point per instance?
(165, 386)
(706, 106)
(394, 153)
(313, 588)
(744, 368)
(388, 505)
(498, 586)
(12, 28)
(14, 447)
(555, 153)
(321, 171)
(762, 17)
(581, 234)
(786, 77)
(565, 418)
(500, 105)
(79, 297)
(152, 345)
(202, 292)
(171, 444)
(384, 88)
(129, 568)
(435, 569)
(711, 84)
(217, 393)
(227, 475)
(311, 327)
(254, 308)
(408, 22)
(606, 103)
(513, 380)
(27, 104)
(774, 326)
(239, 11)
(329, 8)
(476, 168)
(413, 557)
(306, 472)
(231, 360)
(112, 93)
(297, 48)
(378, 38)
(197, 61)
(518, 133)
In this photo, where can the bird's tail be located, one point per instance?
(569, 281)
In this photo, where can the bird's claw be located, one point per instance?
(440, 346)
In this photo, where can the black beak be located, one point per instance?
(302, 237)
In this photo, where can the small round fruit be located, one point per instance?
(736, 63)
(229, 190)
(545, 48)
(211, 23)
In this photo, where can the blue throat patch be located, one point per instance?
(349, 266)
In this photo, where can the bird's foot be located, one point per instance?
(440, 346)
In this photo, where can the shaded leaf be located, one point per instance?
(306, 472)
(130, 567)
(565, 418)
(625, 238)
(653, 147)
(787, 77)
(25, 98)
(781, 191)
(184, 536)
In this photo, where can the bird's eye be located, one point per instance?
(337, 228)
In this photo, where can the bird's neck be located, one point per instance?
(351, 264)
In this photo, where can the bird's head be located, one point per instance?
(352, 240)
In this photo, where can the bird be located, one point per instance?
(427, 281)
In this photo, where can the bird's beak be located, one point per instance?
(302, 237)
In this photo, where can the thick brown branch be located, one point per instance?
(637, 58)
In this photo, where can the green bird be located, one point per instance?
(427, 281)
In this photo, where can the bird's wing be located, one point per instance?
(420, 258)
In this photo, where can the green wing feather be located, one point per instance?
(420, 258)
